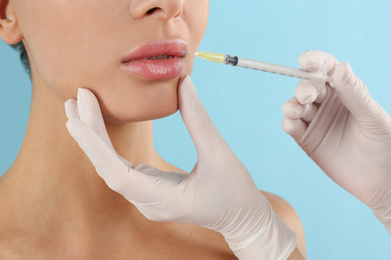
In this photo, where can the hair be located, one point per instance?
(19, 47)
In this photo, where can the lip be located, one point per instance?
(137, 62)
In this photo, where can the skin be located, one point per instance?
(53, 202)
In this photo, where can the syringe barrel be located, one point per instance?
(280, 69)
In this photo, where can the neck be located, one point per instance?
(52, 173)
(49, 150)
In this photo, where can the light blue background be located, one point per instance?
(246, 107)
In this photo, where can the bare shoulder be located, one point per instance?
(288, 214)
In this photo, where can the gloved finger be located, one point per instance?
(295, 128)
(354, 94)
(200, 126)
(307, 91)
(315, 61)
(322, 94)
(126, 162)
(119, 177)
(292, 109)
(90, 113)
(310, 112)
(310, 91)
(71, 109)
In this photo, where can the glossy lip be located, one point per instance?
(138, 63)
(176, 48)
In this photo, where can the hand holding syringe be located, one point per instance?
(263, 66)
(348, 133)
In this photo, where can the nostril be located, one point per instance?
(151, 11)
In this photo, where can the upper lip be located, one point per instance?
(175, 48)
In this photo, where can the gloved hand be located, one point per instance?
(342, 128)
(218, 194)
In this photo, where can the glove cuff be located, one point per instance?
(382, 207)
(386, 220)
(274, 241)
(383, 214)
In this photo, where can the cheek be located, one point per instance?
(197, 13)
(68, 48)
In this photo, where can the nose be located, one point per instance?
(166, 9)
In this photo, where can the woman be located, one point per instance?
(55, 205)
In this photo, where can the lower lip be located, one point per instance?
(158, 69)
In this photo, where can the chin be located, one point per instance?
(138, 118)
(139, 100)
(129, 114)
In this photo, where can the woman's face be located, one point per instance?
(82, 44)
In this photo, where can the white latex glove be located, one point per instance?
(344, 130)
(218, 194)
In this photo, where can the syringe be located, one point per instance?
(263, 66)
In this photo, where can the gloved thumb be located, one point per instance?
(354, 94)
(200, 126)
